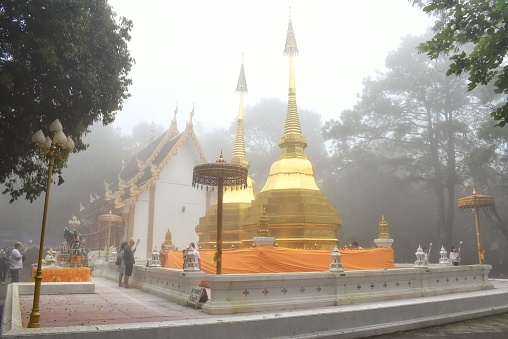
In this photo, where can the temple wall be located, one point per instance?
(178, 205)
(140, 230)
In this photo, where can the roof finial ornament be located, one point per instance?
(189, 124)
(173, 127)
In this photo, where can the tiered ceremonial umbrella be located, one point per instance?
(220, 174)
(475, 202)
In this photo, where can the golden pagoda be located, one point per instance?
(235, 200)
(301, 216)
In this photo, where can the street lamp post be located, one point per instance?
(57, 148)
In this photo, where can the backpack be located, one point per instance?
(119, 258)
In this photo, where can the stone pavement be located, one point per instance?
(114, 305)
(109, 305)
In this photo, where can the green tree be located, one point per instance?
(417, 123)
(59, 59)
(482, 24)
(487, 163)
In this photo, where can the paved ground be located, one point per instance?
(112, 304)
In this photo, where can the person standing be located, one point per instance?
(121, 263)
(5, 264)
(455, 256)
(128, 257)
(162, 255)
(17, 261)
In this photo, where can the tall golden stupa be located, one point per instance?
(235, 201)
(300, 215)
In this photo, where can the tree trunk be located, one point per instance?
(437, 181)
(451, 175)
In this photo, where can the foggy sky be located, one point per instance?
(190, 52)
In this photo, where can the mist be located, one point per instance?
(363, 183)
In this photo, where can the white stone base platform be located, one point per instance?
(354, 320)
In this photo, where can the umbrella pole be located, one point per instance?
(478, 237)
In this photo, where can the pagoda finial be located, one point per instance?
(239, 155)
(241, 86)
(292, 129)
(291, 48)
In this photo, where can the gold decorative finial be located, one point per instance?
(221, 158)
(263, 230)
(383, 229)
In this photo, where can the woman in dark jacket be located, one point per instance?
(121, 264)
(5, 264)
(128, 258)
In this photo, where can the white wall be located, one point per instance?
(141, 223)
(178, 205)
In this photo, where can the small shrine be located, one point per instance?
(168, 241)
(72, 251)
(154, 261)
(264, 236)
(383, 239)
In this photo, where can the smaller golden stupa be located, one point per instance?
(235, 200)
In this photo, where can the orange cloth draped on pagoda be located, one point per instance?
(63, 274)
(269, 259)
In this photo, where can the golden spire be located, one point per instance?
(292, 169)
(293, 139)
(239, 156)
(174, 127)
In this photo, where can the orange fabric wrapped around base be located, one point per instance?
(63, 274)
(269, 259)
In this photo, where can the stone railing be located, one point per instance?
(238, 293)
(242, 293)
